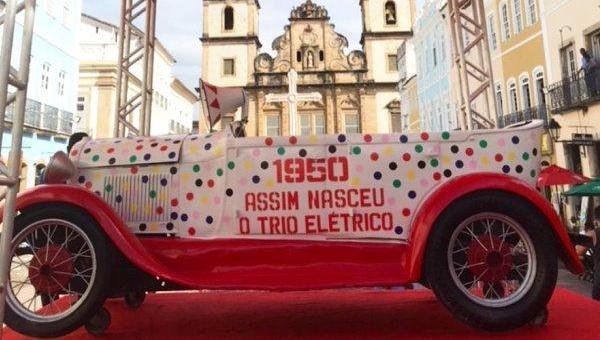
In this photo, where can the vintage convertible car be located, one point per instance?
(456, 211)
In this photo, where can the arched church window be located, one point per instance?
(390, 13)
(228, 17)
(321, 55)
(299, 56)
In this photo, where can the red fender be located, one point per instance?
(116, 230)
(437, 201)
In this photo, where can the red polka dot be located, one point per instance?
(406, 157)
(111, 150)
(424, 136)
(368, 138)
(293, 140)
(88, 185)
(499, 157)
(374, 156)
(74, 153)
(159, 210)
(139, 147)
(210, 183)
(437, 176)
(406, 212)
(269, 141)
(192, 231)
(164, 148)
(189, 196)
(134, 170)
(174, 202)
(469, 152)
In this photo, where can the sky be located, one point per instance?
(179, 26)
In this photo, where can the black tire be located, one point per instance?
(464, 308)
(135, 299)
(98, 289)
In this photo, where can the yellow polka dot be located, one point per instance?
(410, 175)
(511, 156)
(97, 176)
(388, 151)
(133, 208)
(248, 165)
(185, 177)
(446, 160)
(156, 170)
(204, 200)
(194, 149)
(154, 227)
(355, 181)
(162, 196)
(147, 209)
(313, 139)
(485, 161)
(270, 183)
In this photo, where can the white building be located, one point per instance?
(173, 103)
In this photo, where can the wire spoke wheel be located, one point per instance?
(492, 259)
(53, 268)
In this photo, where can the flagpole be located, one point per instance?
(205, 105)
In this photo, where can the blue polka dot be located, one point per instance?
(506, 169)
(404, 139)
(207, 146)
(209, 220)
(342, 138)
(174, 215)
(412, 194)
(516, 140)
(172, 155)
(519, 169)
(377, 175)
(459, 164)
(147, 157)
(144, 179)
(184, 217)
(398, 230)
(256, 179)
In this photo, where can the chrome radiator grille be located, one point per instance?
(139, 198)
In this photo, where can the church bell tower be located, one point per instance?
(229, 41)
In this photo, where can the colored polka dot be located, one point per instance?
(533, 173)
(437, 176)
(119, 199)
(162, 148)
(403, 139)
(210, 183)
(147, 157)
(264, 165)
(506, 169)
(174, 202)
(519, 169)
(191, 231)
(255, 179)
(302, 153)
(377, 175)
(498, 157)
(356, 150)
(229, 192)
(196, 168)
(173, 170)
(189, 196)
(368, 138)
(515, 140)
(393, 166)
(459, 164)
(134, 170)
(139, 147)
(419, 148)
(397, 183)
(108, 188)
(219, 172)
(332, 149)
(81, 179)
(199, 182)
(434, 163)
(209, 220)
(184, 217)
(207, 146)
(88, 150)
(469, 152)
(406, 157)
(445, 135)
(454, 148)
(170, 226)
(172, 155)
(143, 227)
(145, 179)
(133, 159)
(374, 156)
(448, 173)
(525, 156)
(412, 194)
(425, 136)
(422, 164)
(281, 151)
(96, 158)
(406, 212)
(342, 138)
(293, 140)
(398, 230)
(483, 144)
(152, 194)
(159, 210)
(535, 151)
(164, 182)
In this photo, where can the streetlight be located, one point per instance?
(554, 130)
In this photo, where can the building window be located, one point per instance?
(51, 8)
(434, 53)
(39, 172)
(594, 43)
(539, 87)
(312, 124)
(518, 19)
(392, 63)
(531, 11)
(67, 13)
(396, 120)
(499, 101)
(492, 33)
(352, 123)
(61, 83)
(273, 125)
(567, 56)
(228, 18)
(390, 13)
(513, 100)
(228, 67)
(526, 93)
(505, 21)
(45, 76)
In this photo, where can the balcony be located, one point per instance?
(575, 92)
(49, 118)
(538, 112)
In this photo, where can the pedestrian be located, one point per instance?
(589, 66)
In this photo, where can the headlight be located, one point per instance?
(59, 169)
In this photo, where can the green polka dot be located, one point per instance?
(435, 163)
(231, 165)
(356, 150)
(483, 144)
(526, 156)
(419, 148)
(533, 173)
(445, 135)
(219, 172)
(281, 151)
(96, 158)
(152, 194)
(196, 168)
(397, 183)
(132, 159)
(108, 188)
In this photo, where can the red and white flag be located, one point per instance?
(221, 101)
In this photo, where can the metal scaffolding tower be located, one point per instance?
(473, 64)
(136, 48)
(13, 91)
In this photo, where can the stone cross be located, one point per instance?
(293, 98)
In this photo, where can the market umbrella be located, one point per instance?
(589, 189)
(555, 175)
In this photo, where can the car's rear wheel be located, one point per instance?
(491, 261)
(60, 271)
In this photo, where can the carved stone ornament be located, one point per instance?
(309, 10)
(263, 63)
(357, 60)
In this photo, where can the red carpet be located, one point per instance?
(326, 314)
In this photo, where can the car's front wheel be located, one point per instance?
(492, 261)
(60, 271)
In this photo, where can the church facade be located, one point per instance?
(358, 89)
